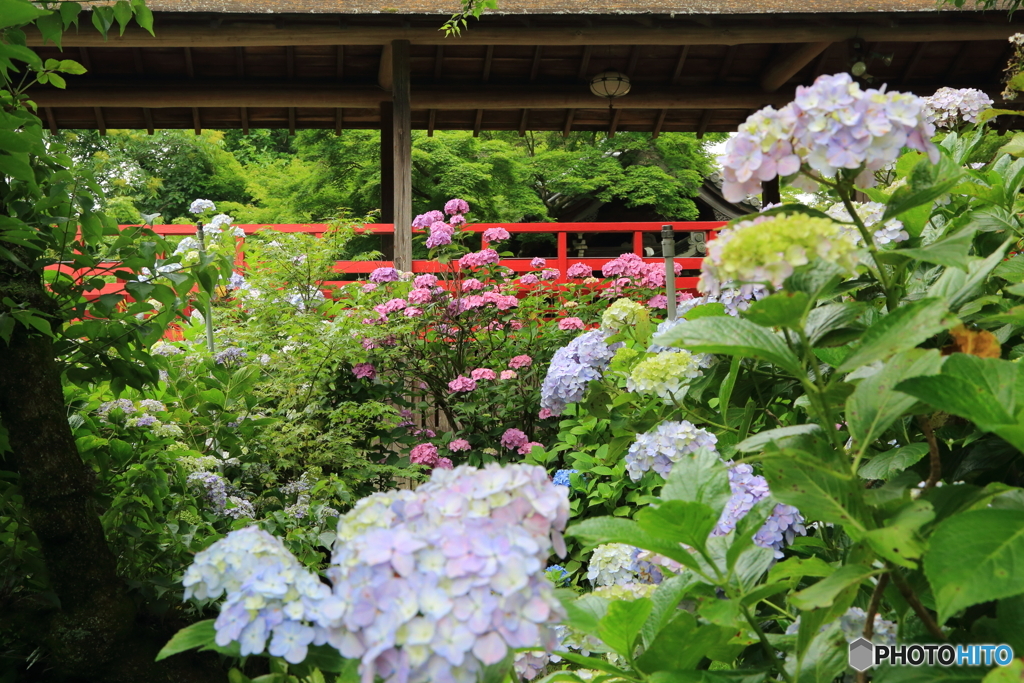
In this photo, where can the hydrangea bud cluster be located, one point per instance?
(949, 107)
(437, 583)
(871, 214)
(213, 488)
(621, 314)
(666, 375)
(269, 595)
(572, 367)
(830, 125)
(767, 249)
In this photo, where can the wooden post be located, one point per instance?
(770, 192)
(387, 164)
(402, 149)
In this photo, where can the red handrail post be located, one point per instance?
(563, 254)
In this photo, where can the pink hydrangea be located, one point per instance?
(538, 262)
(529, 279)
(478, 259)
(528, 446)
(456, 206)
(462, 383)
(629, 265)
(514, 438)
(420, 296)
(471, 284)
(458, 445)
(413, 312)
(515, 324)
(496, 234)
(444, 464)
(483, 373)
(508, 374)
(425, 281)
(391, 306)
(424, 454)
(653, 275)
(579, 270)
(544, 414)
(368, 287)
(522, 361)
(549, 274)
(364, 370)
(661, 301)
(570, 324)
(457, 220)
(384, 274)
(440, 234)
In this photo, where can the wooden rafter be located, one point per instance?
(680, 63)
(289, 58)
(478, 122)
(616, 114)
(240, 62)
(585, 62)
(523, 121)
(431, 120)
(488, 59)
(569, 115)
(535, 66)
(101, 124)
(51, 120)
(915, 59)
(339, 120)
(659, 122)
(243, 113)
(705, 119)
(147, 117)
(779, 71)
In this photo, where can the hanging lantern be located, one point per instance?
(609, 84)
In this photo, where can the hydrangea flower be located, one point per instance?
(458, 445)
(201, 205)
(496, 234)
(561, 477)
(186, 245)
(513, 438)
(948, 107)
(538, 262)
(870, 214)
(364, 370)
(667, 375)
(570, 323)
(151, 405)
(661, 301)
(440, 234)
(558, 574)
(549, 274)
(527, 447)
(767, 249)
(384, 274)
(456, 206)
(391, 306)
(830, 125)
(612, 563)
(127, 406)
(529, 279)
(269, 595)
(579, 270)
(852, 625)
(425, 281)
(230, 356)
(437, 583)
(483, 374)
(508, 374)
(478, 259)
(424, 454)
(143, 421)
(521, 361)
(622, 314)
(213, 487)
(668, 443)
(627, 265)
(462, 384)
(425, 220)
(572, 368)
(420, 295)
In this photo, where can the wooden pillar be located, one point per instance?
(387, 164)
(770, 192)
(402, 150)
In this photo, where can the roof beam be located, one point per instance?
(680, 63)
(266, 34)
(585, 62)
(51, 120)
(659, 123)
(569, 116)
(778, 73)
(124, 92)
(384, 70)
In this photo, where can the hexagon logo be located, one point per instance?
(862, 654)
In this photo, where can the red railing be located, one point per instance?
(561, 260)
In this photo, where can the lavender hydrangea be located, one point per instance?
(201, 205)
(870, 214)
(572, 368)
(661, 448)
(213, 488)
(127, 406)
(385, 274)
(439, 582)
(831, 125)
(269, 595)
(230, 356)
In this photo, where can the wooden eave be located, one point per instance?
(699, 73)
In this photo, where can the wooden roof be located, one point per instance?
(696, 65)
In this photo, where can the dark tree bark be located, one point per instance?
(95, 634)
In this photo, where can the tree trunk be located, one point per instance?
(94, 634)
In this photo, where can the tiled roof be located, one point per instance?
(590, 7)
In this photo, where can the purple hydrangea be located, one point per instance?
(230, 356)
(456, 207)
(213, 488)
(385, 274)
(425, 220)
(496, 235)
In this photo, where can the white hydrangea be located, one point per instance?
(949, 107)
(612, 563)
(871, 214)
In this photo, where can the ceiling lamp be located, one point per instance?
(609, 84)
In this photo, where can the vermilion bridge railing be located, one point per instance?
(565, 256)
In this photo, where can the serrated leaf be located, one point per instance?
(732, 336)
(197, 635)
(823, 593)
(902, 329)
(889, 464)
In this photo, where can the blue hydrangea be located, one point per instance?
(230, 356)
(572, 367)
(269, 595)
(558, 575)
(561, 477)
(213, 488)
(781, 527)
